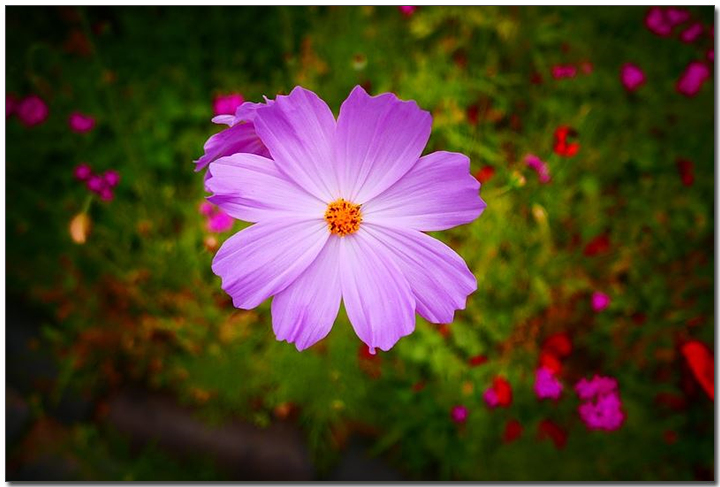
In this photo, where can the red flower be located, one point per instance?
(485, 174)
(513, 431)
(418, 386)
(558, 344)
(598, 245)
(685, 168)
(503, 389)
(562, 146)
(550, 362)
(548, 429)
(702, 364)
(477, 360)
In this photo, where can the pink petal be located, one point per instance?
(233, 140)
(305, 311)
(436, 194)
(252, 188)
(439, 278)
(377, 297)
(299, 131)
(378, 140)
(267, 257)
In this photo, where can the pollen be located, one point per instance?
(343, 217)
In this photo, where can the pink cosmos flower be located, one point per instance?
(560, 71)
(11, 104)
(407, 11)
(540, 167)
(32, 111)
(459, 414)
(240, 137)
(81, 123)
(82, 172)
(692, 33)
(690, 82)
(600, 301)
(547, 386)
(632, 76)
(227, 104)
(339, 214)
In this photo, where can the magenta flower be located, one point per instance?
(540, 167)
(547, 386)
(339, 214)
(206, 208)
(600, 301)
(676, 16)
(219, 222)
(95, 183)
(106, 194)
(658, 23)
(692, 33)
(240, 137)
(692, 79)
(597, 386)
(81, 123)
(227, 104)
(459, 414)
(82, 172)
(111, 178)
(632, 76)
(560, 71)
(407, 11)
(32, 111)
(11, 104)
(602, 409)
(490, 396)
(710, 55)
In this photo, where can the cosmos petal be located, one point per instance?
(377, 297)
(436, 194)
(238, 138)
(439, 278)
(252, 188)
(299, 131)
(378, 140)
(264, 259)
(305, 311)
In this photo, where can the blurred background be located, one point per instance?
(585, 353)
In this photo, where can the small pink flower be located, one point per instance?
(690, 82)
(95, 184)
(81, 123)
(459, 414)
(676, 16)
(220, 222)
(600, 301)
(540, 167)
(227, 104)
(206, 208)
(491, 398)
(32, 111)
(106, 194)
(605, 413)
(560, 71)
(547, 386)
(407, 11)
(597, 386)
(692, 33)
(657, 22)
(112, 178)
(632, 76)
(82, 172)
(11, 104)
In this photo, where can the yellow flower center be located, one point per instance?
(343, 217)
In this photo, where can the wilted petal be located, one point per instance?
(378, 140)
(305, 311)
(267, 257)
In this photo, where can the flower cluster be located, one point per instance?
(100, 184)
(499, 394)
(602, 409)
(547, 386)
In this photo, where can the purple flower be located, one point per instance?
(219, 222)
(32, 111)
(547, 386)
(692, 78)
(459, 414)
(11, 104)
(81, 123)
(82, 172)
(560, 71)
(206, 208)
(112, 178)
(658, 23)
(600, 301)
(540, 167)
(603, 414)
(692, 33)
(106, 194)
(675, 16)
(227, 104)
(339, 213)
(95, 184)
(598, 385)
(632, 76)
(407, 11)
(490, 397)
